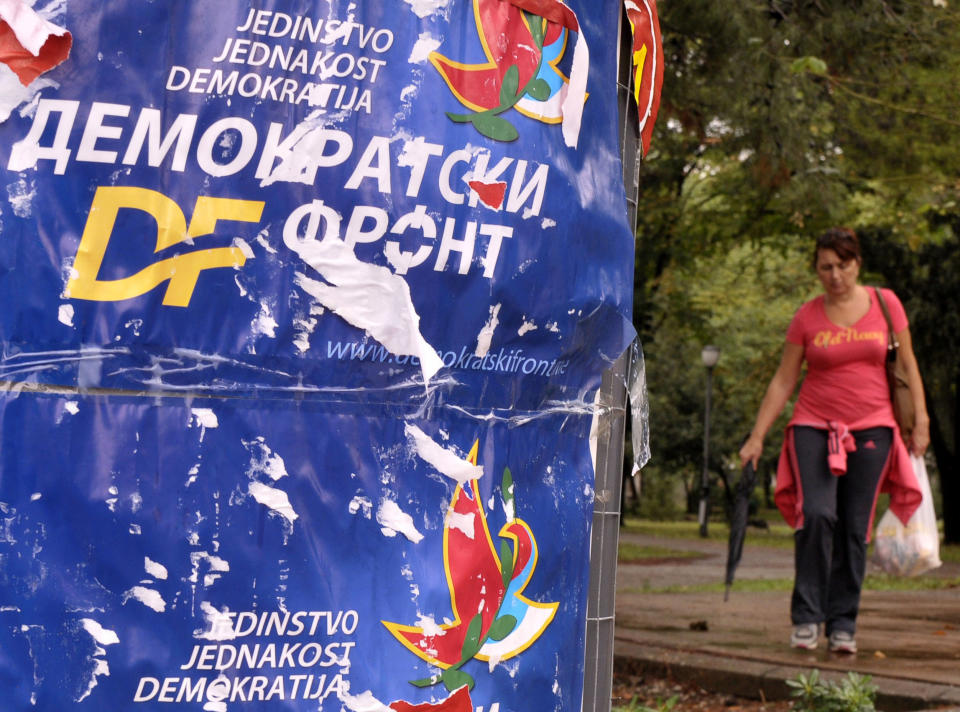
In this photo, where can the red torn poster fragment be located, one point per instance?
(459, 701)
(648, 64)
(29, 44)
(491, 194)
(551, 10)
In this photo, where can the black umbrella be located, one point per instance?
(738, 522)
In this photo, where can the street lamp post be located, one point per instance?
(709, 355)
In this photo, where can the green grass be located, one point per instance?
(886, 582)
(634, 552)
(881, 582)
(779, 535)
(746, 586)
(950, 553)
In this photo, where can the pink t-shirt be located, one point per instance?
(846, 379)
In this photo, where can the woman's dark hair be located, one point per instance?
(841, 240)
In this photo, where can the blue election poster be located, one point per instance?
(305, 306)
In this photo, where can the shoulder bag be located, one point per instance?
(897, 377)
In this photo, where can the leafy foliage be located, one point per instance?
(660, 706)
(854, 693)
(780, 118)
(742, 303)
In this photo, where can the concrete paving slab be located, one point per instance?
(909, 641)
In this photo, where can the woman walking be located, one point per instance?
(842, 445)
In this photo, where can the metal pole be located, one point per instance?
(704, 510)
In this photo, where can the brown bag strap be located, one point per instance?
(892, 343)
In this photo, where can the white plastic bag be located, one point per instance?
(915, 548)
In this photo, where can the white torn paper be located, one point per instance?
(263, 460)
(264, 324)
(594, 436)
(13, 95)
(361, 504)
(216, 567)
(485, 337)
(425, 44)
(444, 461)
(205, 417)
(576, 92)
(147, 596)
(65, 314)
(31, 30)
(192, 475)
(219, 623)
(364, 702)
(429, 626)
(394, 520)
(462, 522)
(20, 195)
(368, 296)
(425, 8)
(525, 327)
(157, 571)
(274, 499)
(103, 637)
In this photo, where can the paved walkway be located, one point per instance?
(909, 642)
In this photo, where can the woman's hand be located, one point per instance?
(920, 438)
(751, 451)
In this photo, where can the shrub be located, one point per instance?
(854, 693)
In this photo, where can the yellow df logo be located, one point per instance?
(181, 271)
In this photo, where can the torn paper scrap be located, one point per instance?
(274, 499)
(485, 337)
(445, 461)
(368, 296)
(394, 520)
(29, 44)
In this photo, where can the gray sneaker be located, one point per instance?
(804, 636)
(842, 641)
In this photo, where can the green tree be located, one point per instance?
(778, 119)
(741, 302)
(929, 276)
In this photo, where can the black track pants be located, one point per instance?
(831, 548)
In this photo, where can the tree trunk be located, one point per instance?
(947, 466)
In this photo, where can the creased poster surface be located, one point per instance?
(304, 308)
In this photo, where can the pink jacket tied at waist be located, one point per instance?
(897, 479)
(839, 443)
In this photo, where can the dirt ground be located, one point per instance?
(633, 691)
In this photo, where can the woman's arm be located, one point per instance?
(780, 388)
(920, 438)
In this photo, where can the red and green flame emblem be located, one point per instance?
(524, 41)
